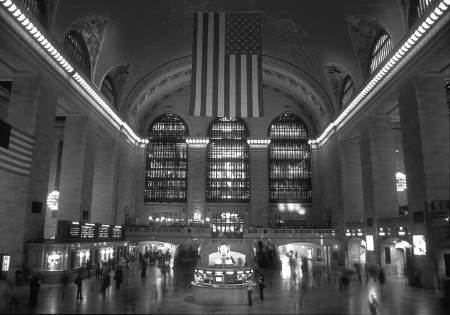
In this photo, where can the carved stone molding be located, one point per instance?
(336, 74)
(362, 30)
(92, 29)
(119, 74)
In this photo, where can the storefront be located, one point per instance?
(74, 246)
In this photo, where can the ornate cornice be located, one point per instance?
(362, 30)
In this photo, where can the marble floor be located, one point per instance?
(284, 294)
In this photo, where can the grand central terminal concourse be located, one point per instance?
(225, 157)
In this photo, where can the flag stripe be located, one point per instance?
(221, 64)
(215, 53)
(243, 86)
(250, 79)
(210, 64)
(196, 62)
(237, 73)
(226, 88)
(255, 86)
(17, 157)
(204, 63)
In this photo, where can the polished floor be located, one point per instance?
(285, 293)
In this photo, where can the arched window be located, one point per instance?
(348, 88)
(76, 48)
(166, 170)
(227, 170)
(108, 90)
(289, 160)
(381, 49)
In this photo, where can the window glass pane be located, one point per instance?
(166, 171)
(228, 162)
(381, 49)
(289, 160)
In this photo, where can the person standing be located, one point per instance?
(249, 290)
(35, 284)
(64, 283)
(79, 283)
(97, 270)
(118, 277)
(88, 268)
(262, 285)
(106, 282)
(144, 269)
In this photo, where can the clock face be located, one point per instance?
(223, 249)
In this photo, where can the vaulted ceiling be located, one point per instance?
(308, 46)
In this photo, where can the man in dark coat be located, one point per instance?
(35, 284)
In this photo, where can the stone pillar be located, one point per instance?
(378, 167)
(425, 129)
(139, 194)
(317, 185)
(352, 191)
(77, 168)
(196, 186)
(259, 182)
(105, 182)
(31, 110)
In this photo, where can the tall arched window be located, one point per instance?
(381, 49)
(227, 172)
(108, 90)
(76, 48)
(166, 171)
(289, 160)
(348, 88)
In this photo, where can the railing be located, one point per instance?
(440, 216)
(400, 218)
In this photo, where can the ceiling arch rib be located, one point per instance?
(280, 77)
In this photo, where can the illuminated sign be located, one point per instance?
(420, 245)
(369, 241)
(103, 231)
(87, 231)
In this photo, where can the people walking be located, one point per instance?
(35, 285)
(381, 277)
(249, 290)
(79, 283)
(262, 285)
(373, 305)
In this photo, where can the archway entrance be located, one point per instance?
(395, 256)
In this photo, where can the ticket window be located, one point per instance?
(199, 276)
(230, 277)
(54, 261)
(208, 277)
(219, 278)
(241, 277)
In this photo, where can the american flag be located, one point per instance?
(16, 150)
(227, 65)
